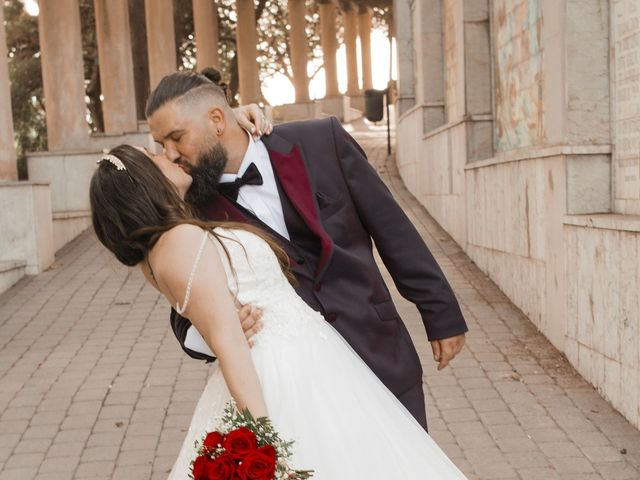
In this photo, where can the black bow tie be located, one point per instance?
(251, 177)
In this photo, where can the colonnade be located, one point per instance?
(63, 71)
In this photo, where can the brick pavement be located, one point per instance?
(93, 384)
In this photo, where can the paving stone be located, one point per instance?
(24, 460)
(102, 390)
(95, 470)
(564, 465)
(601, 454)
(59, 464)
(137, 472)
(617, 471)
(18, 473)
(538, 473)
(65, 450)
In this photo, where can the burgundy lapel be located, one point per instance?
(222, 209)
(290, 169)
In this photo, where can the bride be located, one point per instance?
(299, 372)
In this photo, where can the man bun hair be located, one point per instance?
(215, 76)
(178, 84)
(212, 74)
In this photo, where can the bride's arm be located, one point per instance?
(210, 308)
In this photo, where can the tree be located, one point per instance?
(273, 38)
(25, 74)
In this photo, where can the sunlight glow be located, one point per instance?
(278, 89)
(31, 7)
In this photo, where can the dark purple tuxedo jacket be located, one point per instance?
(345, 207)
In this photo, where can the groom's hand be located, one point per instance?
(250, 321)
(251, 118)
(446, 349)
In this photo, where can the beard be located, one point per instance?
(206, 174)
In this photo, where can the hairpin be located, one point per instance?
(115, 161)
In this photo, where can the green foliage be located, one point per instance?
(265, 434)
(26, 82)
(25, 74)
(274, 54)
(91, 66)
(273, 38)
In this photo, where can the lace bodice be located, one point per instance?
(255, 278)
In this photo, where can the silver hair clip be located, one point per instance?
(115, 161)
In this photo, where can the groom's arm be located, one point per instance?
(194, 345)
(414, 270)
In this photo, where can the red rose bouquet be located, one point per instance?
(244, 448)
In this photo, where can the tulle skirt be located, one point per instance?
(345, 423)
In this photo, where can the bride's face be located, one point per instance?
(173, 171)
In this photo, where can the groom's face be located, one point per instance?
(188, 139)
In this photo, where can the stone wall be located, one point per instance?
(526, 187)
(26, 234)
(603, 309)
(453, 45)
(518, 49)
(432, 167)
(625, 59)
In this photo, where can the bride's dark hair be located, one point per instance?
(132, 208)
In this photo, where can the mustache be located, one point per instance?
(206, 174)
(186, 166)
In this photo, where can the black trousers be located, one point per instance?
(413, 400)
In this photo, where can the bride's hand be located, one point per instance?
(251, 118)
(250, 321)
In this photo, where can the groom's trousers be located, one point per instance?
(414, 400)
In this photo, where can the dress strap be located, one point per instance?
(181, 309)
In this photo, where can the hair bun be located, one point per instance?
(212, 74)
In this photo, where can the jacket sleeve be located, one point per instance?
(415, 272)
(180, 327)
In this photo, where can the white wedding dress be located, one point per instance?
(345, 423)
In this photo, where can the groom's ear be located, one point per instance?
(218, 119)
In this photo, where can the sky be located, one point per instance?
(279, 90)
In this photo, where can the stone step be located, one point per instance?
(10, 272)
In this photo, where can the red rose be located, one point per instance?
(223, 468)
(212, 441)
(259, 464)
(201, 467)
(269, 451)
(240, 442)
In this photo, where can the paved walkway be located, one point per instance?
(93, 384)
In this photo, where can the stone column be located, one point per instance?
(63, 74)
(298, 46)
(8, 167)
(350, 16)
(116, 66)
(247, 39)
(365, 15)
(404, 46)
(429, 63)
(140, 55)
(205, 20)
(161, 39)
(328, 38)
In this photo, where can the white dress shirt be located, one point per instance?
(262, 200)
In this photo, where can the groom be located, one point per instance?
(310, 186)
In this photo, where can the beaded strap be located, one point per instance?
(180, 309)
